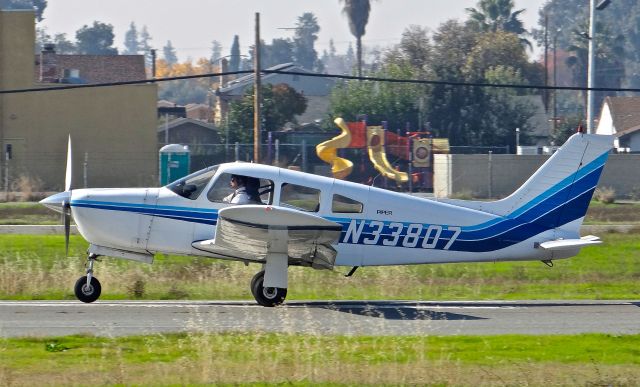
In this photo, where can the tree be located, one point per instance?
(357, 12)
(492, 49)
(306, 34)
(64, 45)
(42, 37)
(473, 115)
(617, 51)
(39, 5)
(448, 108)
(234, 60)
(185, 91)
(609, 61)
(96, 40)
(169, 54)
(131, 44)
(394, 103)
(144, 45)
(281, 103)
(279, 51)
(414, 49)
(497, 15)
(216, 51)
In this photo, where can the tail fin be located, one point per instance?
(559, 192)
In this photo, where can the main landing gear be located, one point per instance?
(88, 287)
(266, 296)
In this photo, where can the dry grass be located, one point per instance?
(437, 373)
(606, 195)
(34, 267)
(26, 189)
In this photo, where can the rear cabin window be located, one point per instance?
(300, 197)
(221, 188)
(344, 205)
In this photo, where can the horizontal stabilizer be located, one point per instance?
(569, 244)
(249, 232)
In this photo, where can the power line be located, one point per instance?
(336, 76)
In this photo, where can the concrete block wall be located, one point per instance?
(482, 176)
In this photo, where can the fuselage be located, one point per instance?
(379, 227)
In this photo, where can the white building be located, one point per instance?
(620, 116)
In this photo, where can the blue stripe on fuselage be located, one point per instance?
(187, 214)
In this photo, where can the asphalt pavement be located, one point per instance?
(121, 318)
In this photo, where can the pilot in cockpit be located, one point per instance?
(245, 190)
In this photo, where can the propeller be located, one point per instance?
(61, 202)
(66, 202)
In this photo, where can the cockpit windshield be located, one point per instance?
(191, 186)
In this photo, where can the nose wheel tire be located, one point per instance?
(87, 292)
(268, 297)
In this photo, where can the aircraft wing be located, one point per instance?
(569, 244)
(249, 232)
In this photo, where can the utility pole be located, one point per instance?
(591, 72)
(153, 63)
(257, 98)
(591, 69)
(546, 62)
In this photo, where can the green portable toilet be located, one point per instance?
(174, 163)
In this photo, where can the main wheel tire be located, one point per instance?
(268, 297)
(253, 282)
(87, 293)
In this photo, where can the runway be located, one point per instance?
(121, 318)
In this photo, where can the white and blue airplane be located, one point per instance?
(321, 222)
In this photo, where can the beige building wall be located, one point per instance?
(17, 41)
(114, 126)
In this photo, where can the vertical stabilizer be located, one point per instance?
(559, 192)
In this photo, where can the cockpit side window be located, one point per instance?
(221, 189)
(191, 186)
(300, 197)
(344, 205)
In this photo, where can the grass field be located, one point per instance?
(196, 359)
(27, 213)
(34, 267)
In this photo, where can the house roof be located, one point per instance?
(101, 68)
(195, 106)
(181, 121)
(247, 80)
(625, 113)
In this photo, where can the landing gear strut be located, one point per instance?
(88, 287)
(266, 296)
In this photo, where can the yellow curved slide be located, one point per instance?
(378, 157)
(328, 151)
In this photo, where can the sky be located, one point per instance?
(192, 25)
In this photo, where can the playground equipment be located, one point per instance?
(378, 156)
(357, 135)
(328, 151)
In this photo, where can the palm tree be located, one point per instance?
(497, 15)
(358, 13)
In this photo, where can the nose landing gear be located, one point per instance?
(88, 288)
